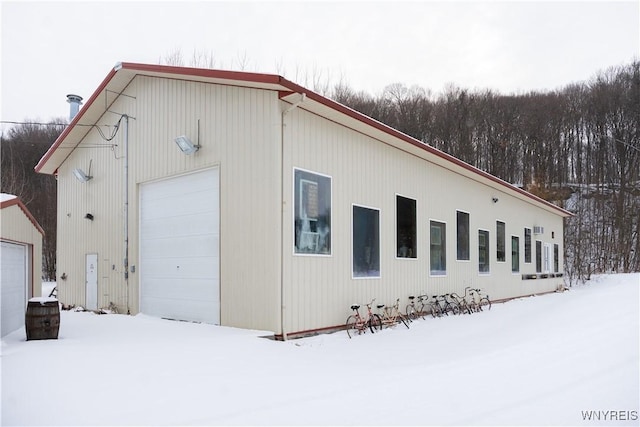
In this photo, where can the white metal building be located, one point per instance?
(21, 261)
(284, 208)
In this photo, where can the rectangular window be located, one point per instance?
(515, 254)
(547, 258)
(527, 245)
(438, 265)
(312, 213)
(556, 258)
(501, 242)
(538, 256)
(366, 242)
(462, 236)
(405, 227)
(483, 251)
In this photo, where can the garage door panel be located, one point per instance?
(180, 206)
(181, 290)
(182, 247)
(180, 310)
(186, 184)
(13, 284)
(189, 268)
(185, 225)
(179, 247)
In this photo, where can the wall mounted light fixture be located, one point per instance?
(81, 176)
(186, 146)
(89, 217)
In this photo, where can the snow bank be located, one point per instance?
(563, 359)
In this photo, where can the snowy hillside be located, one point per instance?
(554, 359)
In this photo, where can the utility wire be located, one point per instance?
(104, 137)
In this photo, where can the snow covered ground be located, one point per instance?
(555, 359)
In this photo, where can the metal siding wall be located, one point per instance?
(319, 289)
(239, 133)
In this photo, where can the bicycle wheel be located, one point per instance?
(435, 310)
(485, 304)
(352, 326)
(411, 313)
(375, 323)
(448, 308)
(455, 308)
(464, 308)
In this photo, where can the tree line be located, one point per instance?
(22, 147)
(578, 147)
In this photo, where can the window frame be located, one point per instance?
(556, 258)
(539, 256)
(515, 257)
(443, 245)
(353, 242)
(296, 216)
(468, 258)
(487, 251)
(527, 245)
(504, 241)
(414, 246)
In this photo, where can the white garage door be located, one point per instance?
(13, 281)
(179, 247)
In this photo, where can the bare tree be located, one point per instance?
(22, 148)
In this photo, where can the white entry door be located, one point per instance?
(14, 284)
(179, 247)
(92, 281)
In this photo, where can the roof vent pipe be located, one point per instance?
(75, 101)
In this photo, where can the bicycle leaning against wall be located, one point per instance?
(391, 316)
(416, 309)
(358, 324)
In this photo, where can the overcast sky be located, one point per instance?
(51, 49)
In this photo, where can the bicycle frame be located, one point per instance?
(356, 322)
(391, 315)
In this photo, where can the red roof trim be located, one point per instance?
(204, 72)
(17, 201)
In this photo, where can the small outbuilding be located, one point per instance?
(246, 200)
(21, 255)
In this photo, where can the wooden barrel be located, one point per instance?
(42, 320)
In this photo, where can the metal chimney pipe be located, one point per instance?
(75, 101)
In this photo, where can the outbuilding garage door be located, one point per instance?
(179, 247)
(13, 281)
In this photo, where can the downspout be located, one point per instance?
(282, 206)
(126, 209)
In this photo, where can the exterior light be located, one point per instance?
(80, 175)
(186, 146)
